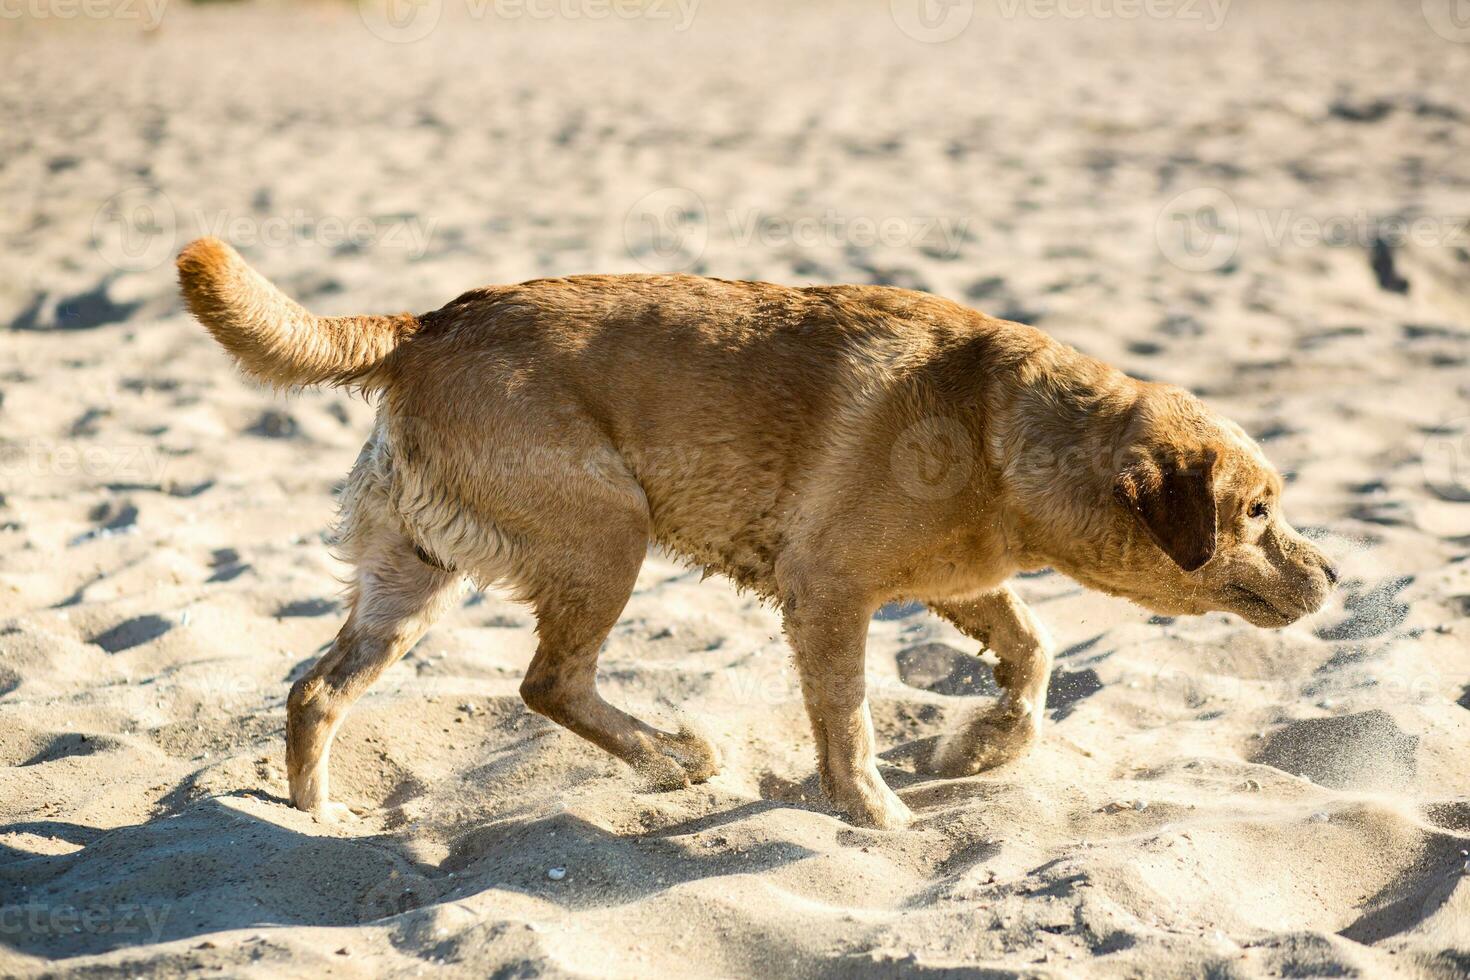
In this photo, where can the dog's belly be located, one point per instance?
(722, 519)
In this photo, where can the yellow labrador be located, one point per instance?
(832, 448)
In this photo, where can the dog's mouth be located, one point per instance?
(1258, 609)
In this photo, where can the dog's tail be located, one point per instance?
(271, 337)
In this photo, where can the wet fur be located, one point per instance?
(831, 448)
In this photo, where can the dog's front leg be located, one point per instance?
(1001, 621)
(829, 637)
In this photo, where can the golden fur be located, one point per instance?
(832, 448)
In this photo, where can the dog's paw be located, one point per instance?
(675, 761)
(696, 754)
(874, 806)
(984, 741)
(331, 813)
(661, 773)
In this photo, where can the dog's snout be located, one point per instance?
(1314, 557)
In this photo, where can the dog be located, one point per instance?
(830, 448)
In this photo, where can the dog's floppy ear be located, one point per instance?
(1173, 496)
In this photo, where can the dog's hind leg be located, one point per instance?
(397, 595)
(579, 587)
(1001, 621)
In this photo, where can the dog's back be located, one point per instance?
(726, 402)
(720, 404)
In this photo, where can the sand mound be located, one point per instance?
(1359, 751)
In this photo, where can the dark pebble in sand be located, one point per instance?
(1361, 112)
(132, 633)
(307, 607)
(985, 288)
(1381, 258)
(942, 669)
(1068, 688)
(83, 311)
(226, 564)
(1180, 325)
(114, 516)
(86, 424)
(275, 424)
(898, 610)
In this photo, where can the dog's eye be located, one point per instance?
(1259, 509)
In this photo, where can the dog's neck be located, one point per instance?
(1059, 504)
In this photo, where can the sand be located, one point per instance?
(1268, 207)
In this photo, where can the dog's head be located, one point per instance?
(1199, 524)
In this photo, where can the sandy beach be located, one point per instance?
(1268, 203)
